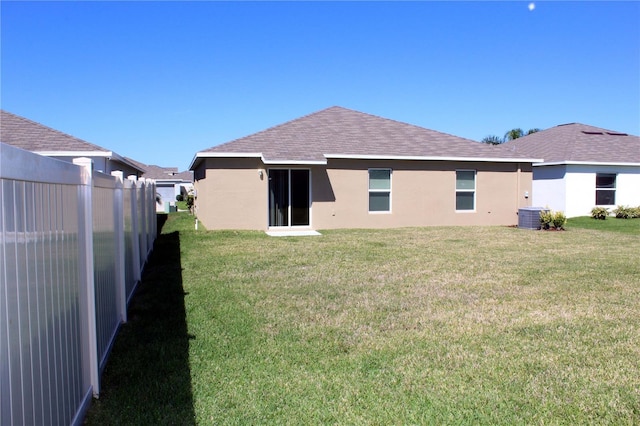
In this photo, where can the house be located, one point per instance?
(583, 167)
(35, 137)
(339, 168)
(169, 182)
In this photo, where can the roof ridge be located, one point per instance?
(415, 125)
(599, 129)
(259, 132)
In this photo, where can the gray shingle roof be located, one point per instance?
(35, 137)
(342, 132)
(31, 136)
(577, 142)
(163, 173)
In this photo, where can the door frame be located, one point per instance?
(289, 225)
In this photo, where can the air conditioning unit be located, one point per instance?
(529, 217)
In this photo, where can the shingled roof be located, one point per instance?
(163, 173)
(35, 137)
(579, 143)
(338, 132)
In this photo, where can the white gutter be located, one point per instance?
(106, 154)
(584, 163)
(432, 158)
(200, 155)
(296, 162)
(75, 153)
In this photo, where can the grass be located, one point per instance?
(627, 226)
(464, 325)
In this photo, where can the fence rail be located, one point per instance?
(73, 243)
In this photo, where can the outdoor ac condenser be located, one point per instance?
(529, 217)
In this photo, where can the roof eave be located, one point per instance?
(105, 154)
(433, 158)
(584, 163)
(295, 162)
(200, 155)
(75, 153)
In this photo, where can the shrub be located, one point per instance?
(189, 200)
(559, 220)
(179, 197)
(549, 218)
(546, 219)
(623, 212)
(600, 213)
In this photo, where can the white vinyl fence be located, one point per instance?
(72, 246)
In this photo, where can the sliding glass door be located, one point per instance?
(289, 200)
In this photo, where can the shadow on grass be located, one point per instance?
(147, 378)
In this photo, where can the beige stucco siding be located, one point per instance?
(422, 194)
(233, 196)
(230, 194)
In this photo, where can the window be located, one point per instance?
(380, 190)
(605, 189)
(465, 190)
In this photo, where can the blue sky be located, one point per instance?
(160, 81)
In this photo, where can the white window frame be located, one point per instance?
(614, 189)
(386, 191)
(474, 191)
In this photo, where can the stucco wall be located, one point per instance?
(231, 194)
(571, 188)
(581, 187)
(549, 187)
(422, 194)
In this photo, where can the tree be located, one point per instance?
(492, 140)
(513, 134)
(509, 136)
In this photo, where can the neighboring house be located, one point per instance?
(169, 182)
(339, 168)
(35, 137)
(583, 167)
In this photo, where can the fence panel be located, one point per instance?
(44, 375)
(131, 245)
(70, 259)
(106, 280)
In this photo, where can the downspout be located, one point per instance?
(518, 187)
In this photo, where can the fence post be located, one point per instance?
(121, 286)
(86, 250)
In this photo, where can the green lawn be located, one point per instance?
(457, 325)
(627, 226)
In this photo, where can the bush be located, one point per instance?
(546, 219)
(600, 213)
(635, 211)
(623, 212)
(550, 219)
(559, 220)
(190, 201)
(179, 197)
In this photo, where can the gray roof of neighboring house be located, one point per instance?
(35, 137)
(343, 133)
(580, 143)
(163, 173)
